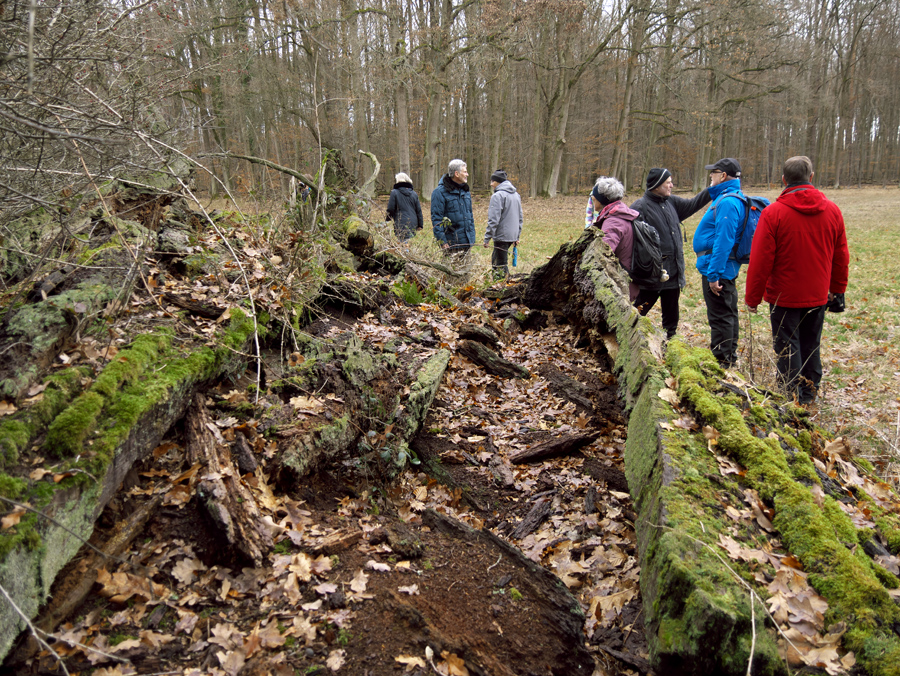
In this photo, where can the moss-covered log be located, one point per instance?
(368, 398)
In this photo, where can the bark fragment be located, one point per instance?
(569, 443)
(490, 361)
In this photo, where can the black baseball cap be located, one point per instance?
(727, 164)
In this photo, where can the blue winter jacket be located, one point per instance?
(717, 231)
(453, 200)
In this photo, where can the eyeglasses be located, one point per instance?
(716, 171)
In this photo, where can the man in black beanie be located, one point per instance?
(665, 212)
(504, 223)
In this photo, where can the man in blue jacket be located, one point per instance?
(451, 210)
(714, 240)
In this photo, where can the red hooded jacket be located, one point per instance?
(799, 251)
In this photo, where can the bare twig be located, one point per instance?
(34, 630)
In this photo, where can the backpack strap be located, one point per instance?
(746, 202)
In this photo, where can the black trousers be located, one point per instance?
(796, 336)
(722, 315)
(500, 257)
(668, 303)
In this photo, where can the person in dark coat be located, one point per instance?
(451, 211)
(665, 211)
(404, 208)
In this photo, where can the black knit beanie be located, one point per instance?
(603, 199)
(499, 175)
(657, 177)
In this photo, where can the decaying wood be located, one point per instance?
(45, 286)
(66, 599)
(590, 501)
(242, 454)
(224, 496)
(533, 519)
(490, 361)
(558, 446)
(480, 334)
(368, 188)
(338, 541)
(438, 266)
(638, 663)
(206, 311)
(563, 386)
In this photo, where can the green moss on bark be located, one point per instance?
(821, 536)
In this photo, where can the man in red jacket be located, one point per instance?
(798, 261)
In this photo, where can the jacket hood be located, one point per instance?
(450, 184)
(506, 186)
(403, 184)
(620, 209)
(803, 198)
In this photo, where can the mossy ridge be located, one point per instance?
(698, 614)
(818, 536)
(103, 431)
(67, 433)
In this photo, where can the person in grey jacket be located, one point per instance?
(404, 209)
(504, 221)
(665, 211)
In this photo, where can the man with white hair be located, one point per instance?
(451, 210)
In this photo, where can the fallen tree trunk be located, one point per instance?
(81, 579)
(701, 618)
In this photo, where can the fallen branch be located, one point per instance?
(558, 446)
(61, 607)
(491, 361)
(303, 178)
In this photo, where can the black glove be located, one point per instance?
(836, 304)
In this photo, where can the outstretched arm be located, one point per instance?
(686, 208)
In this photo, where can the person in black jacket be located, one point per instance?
(404, 209)
(664, 211)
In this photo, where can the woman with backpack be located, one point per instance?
(404, 208)
(615, 218)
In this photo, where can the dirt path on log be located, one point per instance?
(368, 576)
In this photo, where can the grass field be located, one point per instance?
(860, 397)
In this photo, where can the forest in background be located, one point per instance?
(554, 91)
